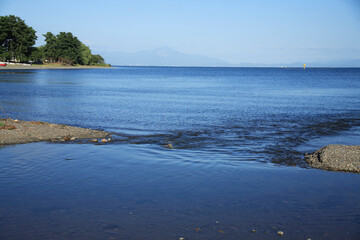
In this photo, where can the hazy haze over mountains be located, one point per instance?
(162, 57)
(167, 56)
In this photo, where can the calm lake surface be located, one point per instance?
(239, 136)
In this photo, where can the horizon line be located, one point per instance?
(200, 66)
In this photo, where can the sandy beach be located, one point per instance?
(336, 158)
(16, 132)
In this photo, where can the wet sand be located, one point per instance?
(336, 158)
(16, 132)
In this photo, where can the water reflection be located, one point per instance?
(227, 126)
(115, 190)
(263, 114)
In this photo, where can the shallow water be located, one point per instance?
(235, 133)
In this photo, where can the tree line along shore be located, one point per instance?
(17, 42)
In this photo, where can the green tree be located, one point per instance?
(66, 48)
(37, 55)
(69, 48)
(50, 48)
(16, 39)
(85, 55)
(97, 59)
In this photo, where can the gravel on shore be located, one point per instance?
(336, 158)
(16, 132)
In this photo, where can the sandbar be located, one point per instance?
(16, 132)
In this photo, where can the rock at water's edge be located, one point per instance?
(336, 158)
(16, 132)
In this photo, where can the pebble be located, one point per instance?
(104, 140)
(65, 138)
(169, 146)
(94, 140)
(280, 233)
(253, 230)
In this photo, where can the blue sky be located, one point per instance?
(253, 31)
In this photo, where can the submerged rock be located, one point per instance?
(336, 158)
(169, 146)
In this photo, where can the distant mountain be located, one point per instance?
(161, 57)
(169, 57)
(337, 63)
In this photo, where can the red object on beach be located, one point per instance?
(3, 64)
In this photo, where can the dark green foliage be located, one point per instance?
(37, 55)
(17, 44)
(50, 51)
(66, 48)
(85, 54)
(16, 39)
(97, 59)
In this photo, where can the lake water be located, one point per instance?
(239, 136)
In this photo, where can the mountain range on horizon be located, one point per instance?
(166, 56)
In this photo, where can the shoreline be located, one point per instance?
(30, 67)
(344, 158)
(19, 132)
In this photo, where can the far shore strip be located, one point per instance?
(16, 132)
(50, 66)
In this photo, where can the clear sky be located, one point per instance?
(254, 31)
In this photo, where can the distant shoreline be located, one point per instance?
(24, 67)
(45, 66)
(187, 66)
